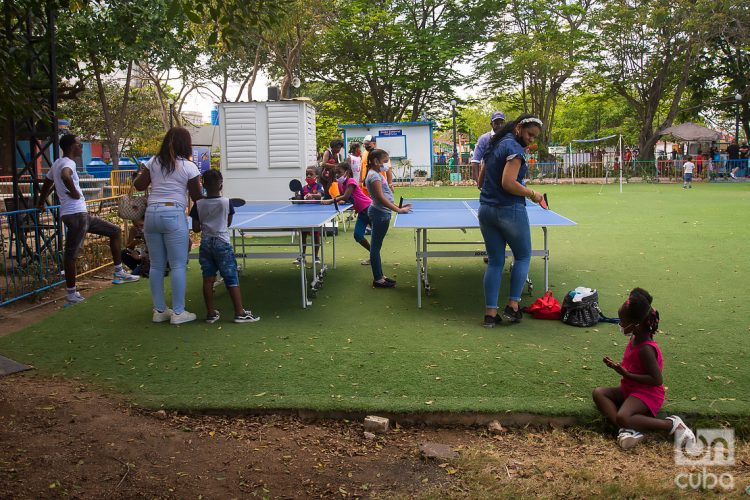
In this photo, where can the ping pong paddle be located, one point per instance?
(295, 185)
(401, 202)
(336, 204)
(544, 203)
(236, 202)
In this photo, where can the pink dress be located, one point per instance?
(651, 395)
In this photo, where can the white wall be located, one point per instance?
(264, 145)
(418, 142)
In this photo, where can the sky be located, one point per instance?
(204, 103)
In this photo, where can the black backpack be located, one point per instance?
(584, 313)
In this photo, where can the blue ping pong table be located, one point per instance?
(463, 214)
(287, 216)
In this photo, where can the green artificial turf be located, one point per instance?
(359, 348)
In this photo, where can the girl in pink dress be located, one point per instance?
(352, 193)
(634, 404)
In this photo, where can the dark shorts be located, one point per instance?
(688, 177)
(216, 255)
(81, 223)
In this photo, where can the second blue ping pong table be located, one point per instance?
(463, 214)
(288, 216)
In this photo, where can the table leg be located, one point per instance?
(546, 260)
(419, 269)
(303, 272)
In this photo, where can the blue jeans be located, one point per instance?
(217, 256)
(363, 220)
(166, 234)
(501, 225)
(379, 220)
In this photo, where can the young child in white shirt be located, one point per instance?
(212, 216)
(688, 167)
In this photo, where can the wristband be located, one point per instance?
(532, 194)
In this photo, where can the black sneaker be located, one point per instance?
(389, 280)
(213, 317)
(246, 317)
(383, 284)
(512, 316)
(491, 321)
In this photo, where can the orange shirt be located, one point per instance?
(363, 172)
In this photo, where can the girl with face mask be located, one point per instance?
(352, 193)
(379, 213)
(634, 404)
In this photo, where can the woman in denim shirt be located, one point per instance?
(502, 214)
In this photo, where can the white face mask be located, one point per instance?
(624, 332)
(341, 179)
(384, 167)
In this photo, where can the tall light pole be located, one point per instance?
(737, 101)
(455, 148)
(171, 113)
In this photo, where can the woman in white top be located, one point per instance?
(171, 175)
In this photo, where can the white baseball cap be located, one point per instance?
(368, 138)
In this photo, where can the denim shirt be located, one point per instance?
(495, 159)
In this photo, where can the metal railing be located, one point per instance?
(578, 170)
(120, 181)
(31, 248)
(30, 253)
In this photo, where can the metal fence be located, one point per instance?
(120, 181)
(577, 170)
(31, 248)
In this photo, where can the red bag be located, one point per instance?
(545, 307)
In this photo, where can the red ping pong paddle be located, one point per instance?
(544, 203)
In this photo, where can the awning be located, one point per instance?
(692, 132)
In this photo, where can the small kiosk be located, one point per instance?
(410, 141)
(264, 145)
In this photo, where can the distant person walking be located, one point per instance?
(688, 167)
(171, 177)
(64, 178)
(502, 214)
(741, 162)
(733, 155)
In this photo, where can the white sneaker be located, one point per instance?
(124, 276)
(161, 317)
(683, 436)
(183, 317)
(629, 438)
(74, 299)
(365, 262)
(732, 175)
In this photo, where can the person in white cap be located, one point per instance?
(370, 143)
(497, 120)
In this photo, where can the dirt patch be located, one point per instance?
(60, 438)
